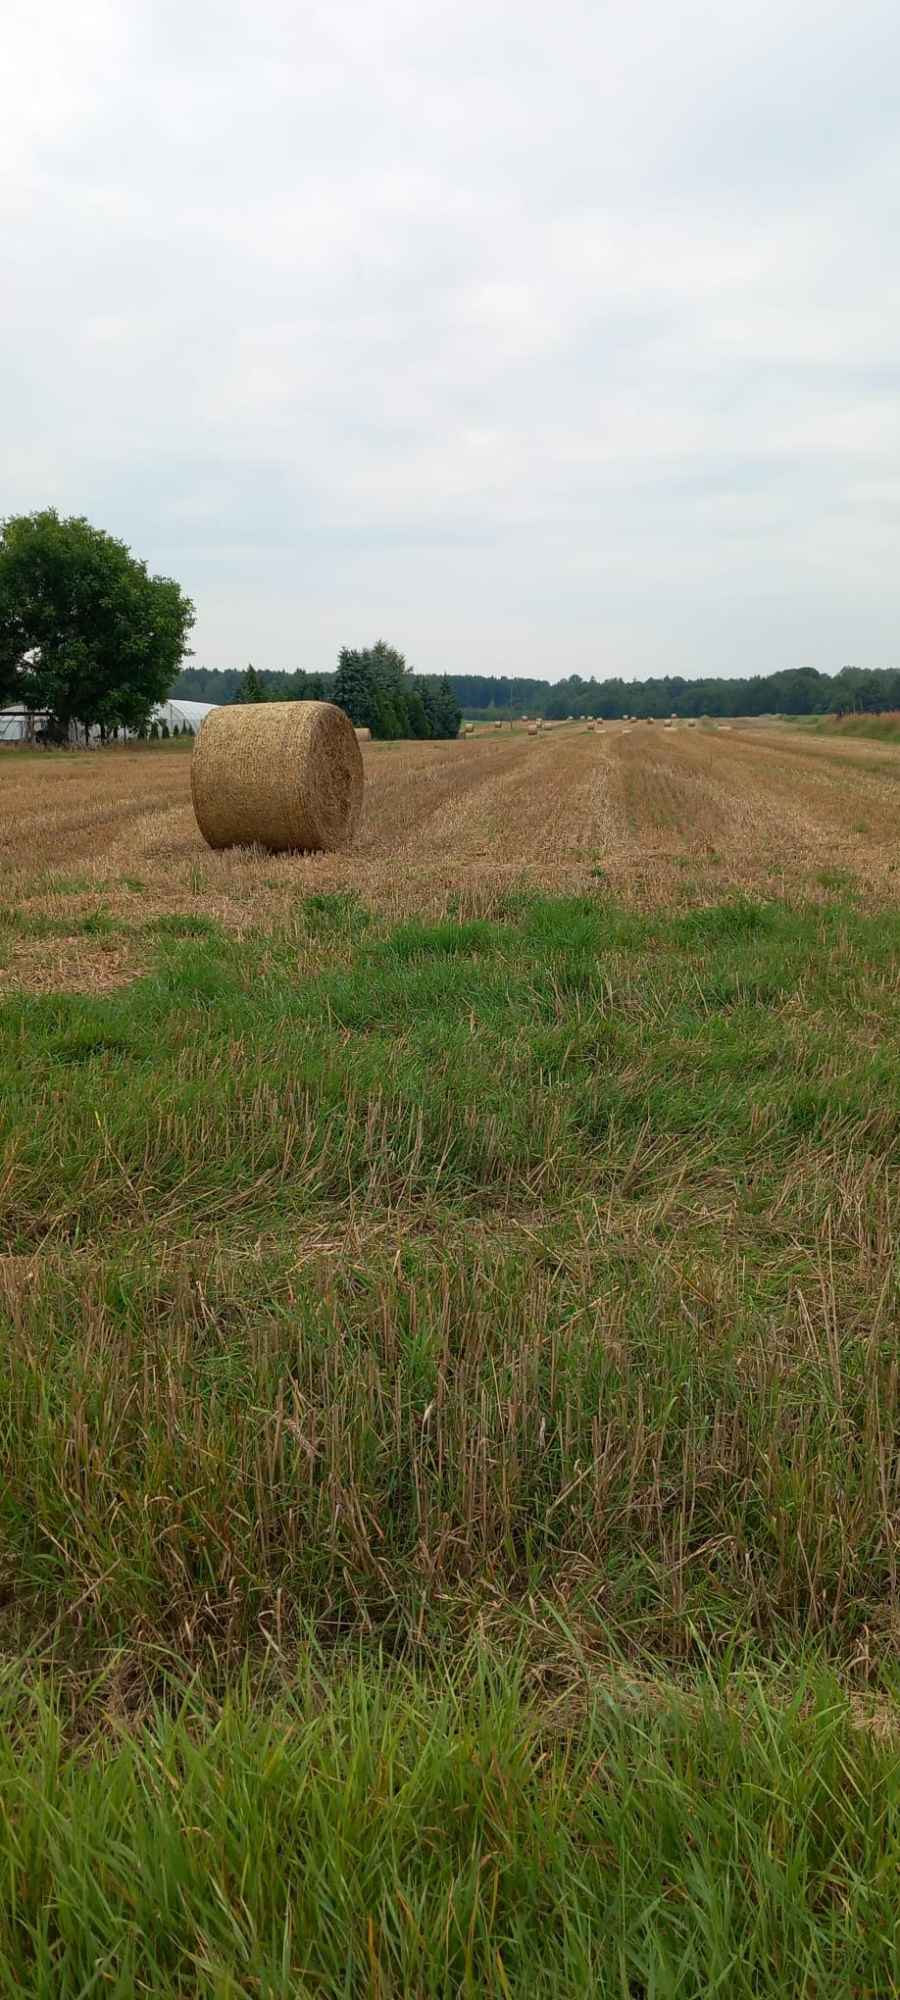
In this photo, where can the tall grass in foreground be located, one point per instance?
(363, 1288)
(363, 1277)
(360, 1839)
(207, 1453)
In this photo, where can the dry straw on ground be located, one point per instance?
(284, 775)
(114, 835)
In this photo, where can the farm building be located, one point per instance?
(17, 725)
(183, 715)
(22, 725)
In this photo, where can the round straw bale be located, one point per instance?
(533, 729)
(363, 735)
(277, 774)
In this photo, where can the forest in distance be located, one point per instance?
(493, 697)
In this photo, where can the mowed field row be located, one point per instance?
(449, 1486)
(658, 816)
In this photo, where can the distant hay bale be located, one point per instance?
(590, 728)
(692, 722)
(469, 729)
(363, 735)
(533, 729)
(284, 775)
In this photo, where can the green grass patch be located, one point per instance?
(358, 1837)
(33, 924)
(878, 728)
(369, 1284)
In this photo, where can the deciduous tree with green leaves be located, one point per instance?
(86, 633)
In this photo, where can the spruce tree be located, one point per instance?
(251, 688)
(354, 689)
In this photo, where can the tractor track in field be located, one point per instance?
(654, 816)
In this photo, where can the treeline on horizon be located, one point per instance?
(373, 684)
(489, 697)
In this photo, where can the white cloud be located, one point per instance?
(522, 334)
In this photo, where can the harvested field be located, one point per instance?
(449, 1295)
(663, 817)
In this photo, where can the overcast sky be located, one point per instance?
(537, 338)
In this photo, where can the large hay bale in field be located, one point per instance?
(363, 735)
(533, 729)
(278, 774)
